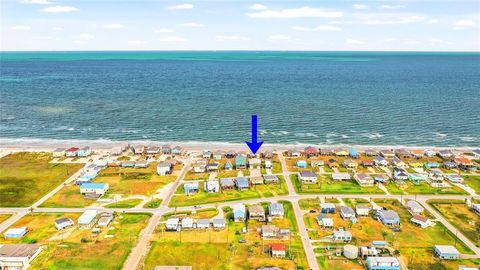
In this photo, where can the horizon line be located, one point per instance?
(227, 50)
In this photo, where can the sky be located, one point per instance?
(408, 25)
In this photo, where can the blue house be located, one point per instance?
(241, 162)
(228, 165)
(383, 263)
(242, 183)
(128, 164)
(15, 232)
(84, 179)
(389, 217)
(177, 150)
(191, 187)
(84, 152)
(239, 212)
(431, 165)
(301, 164)
(353, 153)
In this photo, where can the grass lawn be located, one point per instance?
(256, 191)
(26, 177)
(125, 181)
(326, 186)
(4, 217)
(306, 204)
(79, 249)
(459, 215)
(211, 249)
(154, 203)
(276, 166)
(200, 213)
(338, 263)
(423, 188)
(124, 204)
(473, 181)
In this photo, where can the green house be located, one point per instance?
(241, 162)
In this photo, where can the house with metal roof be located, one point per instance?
(383, 263)
(276, 210)
(190, 187)
(228, 165)
(241, 162)
(242, 183)
(63, 223)
(347, 212)
(270, 178)
(239, 212)
(211, 186)
(18, 256)
(380, 161)
(94, 188)
(364, 179)
(227, 183)
(327, 208)
(87, 219)
(307, 177)
(301, 164)
(414, 207)
(388, 217)
(342, 235)
(352, 152)
(446, 252)
(15, 232)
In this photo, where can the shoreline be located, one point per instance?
(27, 144)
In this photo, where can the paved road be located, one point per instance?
(141, 249)
(286, 174)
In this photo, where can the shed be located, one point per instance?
(15, 232)
(63, 223)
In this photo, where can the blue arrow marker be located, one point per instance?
(254, 145)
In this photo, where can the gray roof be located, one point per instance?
(308, 174)
(327, 205)
(270, 177)
(389, 214)
(347, 210)
(219, 221)
(63, 220)
(242, 181)
(227, 182)
(18, 250)
(203, 221)
(275, 207)
(446, 249)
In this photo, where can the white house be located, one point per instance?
(164, 168)
(347, 212)
(94, 188)
(476, 208)
(211, 186)
(63, 223)
(219, 223)
(362, 210)
(172, 224)
(421, 221)
(327, 222)
(87, 219)
(268, 164)
(203, 223)
(187, 223)
(18, 256)
(307, 177)
(341, 176)
(414, 207)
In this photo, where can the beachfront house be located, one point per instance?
(421, 221)
(239, 212)
(206, 154)
(294, 153)
(172, 224)
(228, 165)
(327, 208)
(278, 250)
(307, 177)
(327, 152)
(380, 161)
(347, 212)
(164, 168)
(166, 149)
(342, 235)
(270, 178)
(190, 188)
(301, 164)
(403, 153)
(177, 150)
(242, 183)
(414, 207)
(310, 151)
(276, 210)
(388, 217)
(267, 154)
(18, 256)
(240, 162)
(211, 186)
(257, 212)
(94, 189)
(87, 219)
(227, 183)
(476, 152)
(387, 153)
(353, 153)
(364, 179)
(362, 210)
(84, 152)
(152, 150)
(445, 154)
(341, 152)
(417, 153)
(218, 155)
(446, 252)
(71, 152)
(383, 263)
(63, 223)
(15, 233)
(464, 163)
(58, 153)
(370, 153)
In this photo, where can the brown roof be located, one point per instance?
(256, 209)
(420, 218)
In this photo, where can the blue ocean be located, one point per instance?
(355, 98)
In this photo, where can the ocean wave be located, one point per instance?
(375, 135)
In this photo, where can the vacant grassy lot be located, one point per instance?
(459, 215)
(338, 263)
(79, 249)
(4, 217)
(26, 177)
(124, 204)
(155, 203)
(327, 186)
(473, 181)
(125, 181)
(423, 188)
(212, 249)
(200, 213)
(202, 197)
